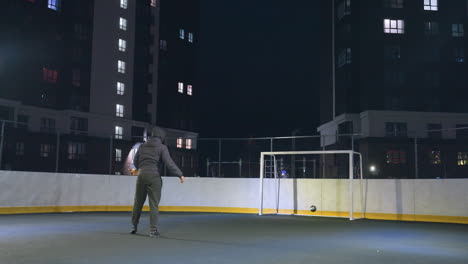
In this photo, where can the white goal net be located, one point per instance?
(317, 183)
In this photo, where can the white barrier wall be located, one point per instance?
(421, 200)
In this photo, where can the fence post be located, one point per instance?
(271, 160)
(240, 168)
(219, 157)
(110, 154)
(416, 169)
(57, 152)
(314, 168)
(304, 166)
(1, 144)
(323, 156)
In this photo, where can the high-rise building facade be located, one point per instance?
(395, 71)
(86, 71)
(177, 64)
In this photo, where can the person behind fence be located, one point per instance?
(149, 182)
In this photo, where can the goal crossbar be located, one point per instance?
(350, 154)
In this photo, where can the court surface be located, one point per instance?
(226, 238)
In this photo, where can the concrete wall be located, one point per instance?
(414, 200)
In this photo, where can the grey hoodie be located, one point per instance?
(149, 154)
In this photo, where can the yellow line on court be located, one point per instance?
(239, 210)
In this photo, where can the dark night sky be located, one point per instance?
(258, 67)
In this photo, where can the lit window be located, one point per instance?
(459, 54)
(393, 3)
(163, 45)
(188, 143)
(123, 23)
(54, 4)
(430, 5)
(189, 90)
(394, 26)
(153, 3)
(181, 33)
(76, 151)
(190, 37)
(396, 130)
(434, 157)
(49, 76)
(124, 4)
(120, 88)
(118, 132)
(344, 57)
(431, 28)
(462, 158)
(76, 77)
(396, 157)
(181, 87)
(458, 30)
(179, 142)
(121, 66)
(122, 45)
(118, 155)
(119, 110)
(19, 148)
(45, 150)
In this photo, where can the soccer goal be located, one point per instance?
(317, 183)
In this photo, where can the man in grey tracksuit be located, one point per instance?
(149, 180)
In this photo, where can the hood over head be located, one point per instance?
(159, 133)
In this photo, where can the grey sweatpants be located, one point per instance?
(150, 185)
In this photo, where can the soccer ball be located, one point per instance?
(313, 208)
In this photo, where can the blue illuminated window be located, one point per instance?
(54, 5)
(459, 54)
(182, 33)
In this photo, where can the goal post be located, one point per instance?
(304, 187)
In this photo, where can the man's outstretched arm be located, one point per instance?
(170, 164)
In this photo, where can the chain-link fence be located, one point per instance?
(50, 150)
(436, 154)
